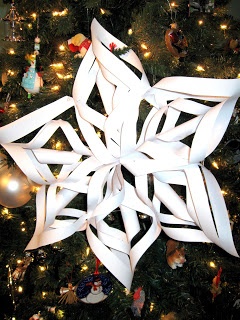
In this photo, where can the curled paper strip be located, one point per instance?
(157, 157)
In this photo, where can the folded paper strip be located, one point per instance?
(163, 156)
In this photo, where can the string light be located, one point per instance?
(87, 251)
(29, 26)
(60, 13)
(173, 5)
(102, 11)
(223, 26)
(224, 193)
(84, 267)
(6, 213)
(42, 268)
(200, 68)
(62, 47)
(215, 165)
(23, 229)
(61, 76)
(143, 46)
(212, 264)
(44, 294)
(10, 72)
(55, 88)
(11, 51)
(57, 65)
(200, 22)
(151, 306)
(130, 32)
(20, 289)
(147, 54)
(58, 145)
(34, 15)
(126, 291)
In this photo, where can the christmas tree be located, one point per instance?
(80, 82)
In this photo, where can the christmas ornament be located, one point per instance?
(216, 288)
(209, 6)
(32, 79)
(194, 6)
(36, 316)
(41, 256)
(234, 45)
(19, 272)
(95, 168)
(176, 42)
(13, 25)
(138, 302)
(79, 43)
(175, 254)
(94, 288)
(206, 6)
(37, 41)
(15, 187)
(68, 295)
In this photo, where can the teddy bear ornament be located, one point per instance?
(79, 43)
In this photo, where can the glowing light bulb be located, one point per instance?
(57, 65)
(147, 54)
(10, 72)
(34, 15)
(151, 307)
(87, 251)
(55, 88)
(58, 145)
(130, 32)
(102, 11)
(62, 47)
(215, 165)
(11, 51)
(173, 5)
(212, 264)
(84, 267)
(223, 26)
(20, 289)
(143, 46)
(224, 193)
(126, 291)
(200, 68)
(200, 22)
(42, 268)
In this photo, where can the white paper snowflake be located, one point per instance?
(162, 155)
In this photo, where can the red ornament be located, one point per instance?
(112, 46)
(176, 42)
(2, 110)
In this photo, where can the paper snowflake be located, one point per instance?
(95, 169)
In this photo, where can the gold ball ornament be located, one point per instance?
(15, 187)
